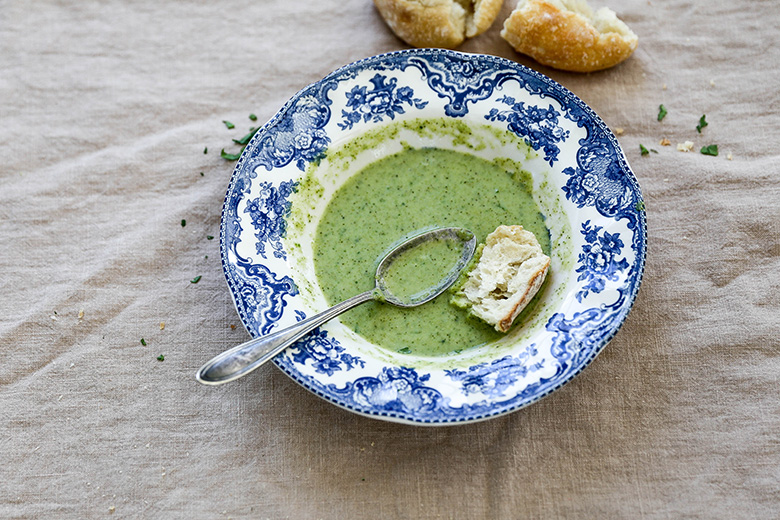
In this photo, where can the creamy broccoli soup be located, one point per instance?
(395, 197)
(413, 273)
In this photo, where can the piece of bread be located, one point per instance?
(510, 271)
(438, 23)
(568, 35)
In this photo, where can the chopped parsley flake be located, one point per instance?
(405, 350)
(711, 149)
(640, 206)
(183, 222)
(209, 237)
(643, 150)
(161, 357)
(702, 123)
(206, 150)
(196, 279)
(143, 342)
(230, 156)
(247, 137)
(253, 117)
(201, 174)
(661, 112)
(229, 125)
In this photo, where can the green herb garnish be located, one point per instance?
(247, 137)
(206, 150)
(143, 342)
(201, 174)
(643, 150)
(230, 156)
(196, 279)
(183, 222)
(229, 125)
(711, 149)
(209, 237)
(161, 358)
(702, 123)
(253, 117)
(661, 112)
(405, 350)
(640, 205)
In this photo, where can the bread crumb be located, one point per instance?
(81, 314)
(619, 131)
(665, 142)
(712, 82)
(729, 156)
(232, 327)
(687, 146)
(162, 325)
(664, 87)
(510, 269)
(111, 509)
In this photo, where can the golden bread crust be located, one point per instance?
(565, 39)
(438, 23)
(485, 12)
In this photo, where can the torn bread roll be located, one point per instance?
(568, 35)
(438, 23)
(510, 271)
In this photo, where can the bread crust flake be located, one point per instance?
(568, 35)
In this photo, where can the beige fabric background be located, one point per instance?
(105, 109)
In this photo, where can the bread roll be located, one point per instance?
(568, 35)
(438, 23)
(510, 271)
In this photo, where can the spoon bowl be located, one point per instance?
(414, 269)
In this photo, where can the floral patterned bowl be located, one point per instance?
(581, 180)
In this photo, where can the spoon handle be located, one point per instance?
(244, 358)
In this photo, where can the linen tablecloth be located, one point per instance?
(111, 184)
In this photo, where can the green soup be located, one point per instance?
(413, 273)
(395, 197)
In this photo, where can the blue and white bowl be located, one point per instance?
(581, 181)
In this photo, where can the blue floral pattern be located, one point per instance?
(537, 126)
(325, 353)
(598, 262)
(396, 390)
(545, 115)
(598, 181)
(461, 79)
(495, 377)
(380, 100)
(261, 294)
(298, 138)
(268, 212)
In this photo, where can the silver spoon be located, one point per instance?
(244, 358)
